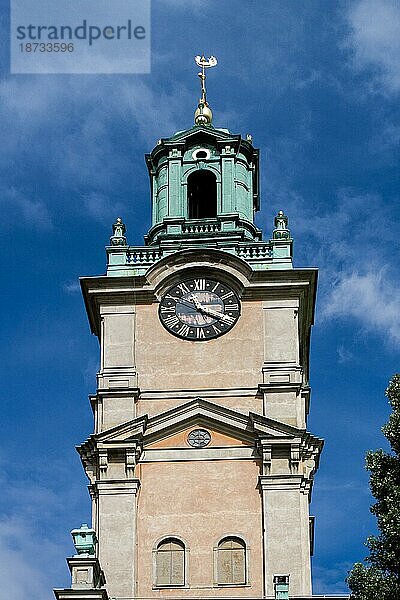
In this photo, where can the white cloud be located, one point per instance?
(375, 40)
(102, 208)
(31, 562)
(22, 208)
(331, 580)
(80, 154)
(344, 354)
(386, 140)
(370, 298)
(20, 576)
(72, 287)
(333, 486)
(350, 239)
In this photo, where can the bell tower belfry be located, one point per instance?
(200, 463)
(206, 174)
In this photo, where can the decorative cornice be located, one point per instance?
(285, 482)
(255, 285)
(111, 487)
(68, 594)
(143, 430)
(261, 433)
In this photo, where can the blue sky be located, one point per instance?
(317, 83)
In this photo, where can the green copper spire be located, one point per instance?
(204, 194)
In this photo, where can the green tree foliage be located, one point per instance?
(379, 578)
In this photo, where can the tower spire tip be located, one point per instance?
(203, 114)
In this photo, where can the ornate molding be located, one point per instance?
(265, 449)
(112, 487)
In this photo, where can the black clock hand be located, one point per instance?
(214, 313)
(205, 309)
(209, 311)
(186, 303)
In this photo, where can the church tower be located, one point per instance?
(200, 463)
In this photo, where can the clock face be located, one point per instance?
(199, 309)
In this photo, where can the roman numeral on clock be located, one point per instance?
(228, 320)
(199, 308)
(199, 284)
(228, 295)
(183, 287)
(232, 307)
(167, 309)
(171, 321)
(183, 330)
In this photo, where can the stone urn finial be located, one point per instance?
(118, 237)
(281, 231)
(85, 540)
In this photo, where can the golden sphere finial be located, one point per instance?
(203, 115)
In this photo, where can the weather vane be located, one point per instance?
(203, 114)
(204, 63)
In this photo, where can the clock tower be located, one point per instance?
(200, 463)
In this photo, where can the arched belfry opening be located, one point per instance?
(202, 195)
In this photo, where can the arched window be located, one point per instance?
(202, 195)
(170, 563)
(231, 561)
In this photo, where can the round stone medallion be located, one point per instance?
(199, 438)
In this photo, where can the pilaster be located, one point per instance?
(227, 168)
(175, 208)
(113, 406)
(116, 527)
(117, 341)
(286, 531)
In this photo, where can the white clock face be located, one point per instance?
(199, 309)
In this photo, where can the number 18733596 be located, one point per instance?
(46, 47)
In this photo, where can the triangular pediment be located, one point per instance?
(270, 428)
(201, 413)
(202, 131)
(202, 134)
(179, 439)
(134, 429)
(244, 428)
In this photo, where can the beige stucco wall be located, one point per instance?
(245, 404)
(200, 502)
(281, 332)
(137, 351)
(285, 406)
(180, 439)
(114, 410)
(166, 362)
